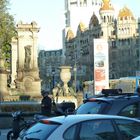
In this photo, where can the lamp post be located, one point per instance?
(53, 80)
(75, 77)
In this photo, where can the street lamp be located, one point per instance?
(53, 80)
(75, 76)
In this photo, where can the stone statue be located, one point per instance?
(27, 63)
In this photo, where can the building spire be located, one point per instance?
(106, 5)
(106, 1)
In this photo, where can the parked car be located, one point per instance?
(113, 103)
(84, 127)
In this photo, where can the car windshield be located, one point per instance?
(39, 131)
(91, 107)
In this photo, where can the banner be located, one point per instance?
(101, 65)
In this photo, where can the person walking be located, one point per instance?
(46, 104)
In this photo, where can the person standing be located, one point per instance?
(46, 104)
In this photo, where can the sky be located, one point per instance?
(49, 15)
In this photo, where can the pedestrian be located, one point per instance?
(46, 104)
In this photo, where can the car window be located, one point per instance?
(39, 129)
(70, 133)
(129, 129)
(97, 130)
(130, 111)
(91, 107)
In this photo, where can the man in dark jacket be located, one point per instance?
(46, 104)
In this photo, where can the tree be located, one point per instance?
(7, 30)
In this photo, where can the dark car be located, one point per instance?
(84, 127)
(113, 103)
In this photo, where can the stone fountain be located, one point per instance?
(65, 93)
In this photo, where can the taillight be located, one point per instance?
(49, 122)
(45, 121)
(92, 99)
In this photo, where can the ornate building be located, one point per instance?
(122, 33)
(76, 11)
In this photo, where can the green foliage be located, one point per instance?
(7, 30)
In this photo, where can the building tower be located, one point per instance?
(126, 17)
(107, 19)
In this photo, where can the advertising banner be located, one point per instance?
(101, 65)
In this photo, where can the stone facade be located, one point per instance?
(122, 33)
(25, 72)
(77, 11)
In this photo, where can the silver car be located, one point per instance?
(84, 127)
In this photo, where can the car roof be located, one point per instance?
(112, 97)
(82, 117)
